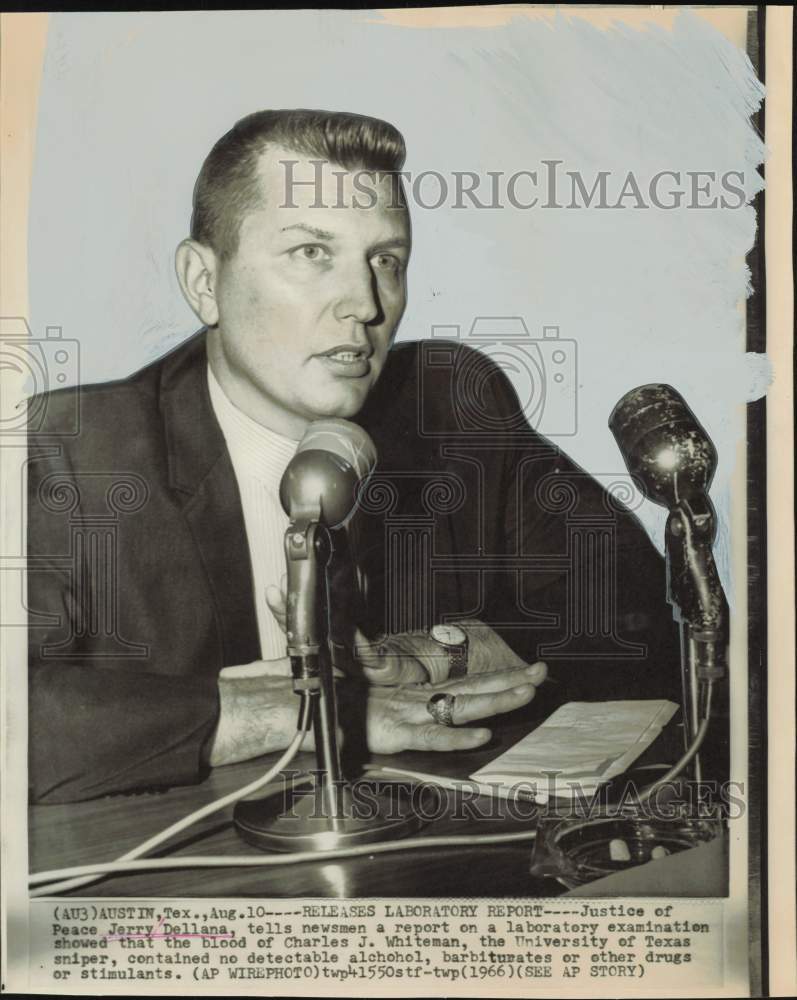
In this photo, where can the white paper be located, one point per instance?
(583, 744)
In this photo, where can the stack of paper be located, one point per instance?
(581, 746)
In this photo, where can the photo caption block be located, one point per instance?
(97, 945)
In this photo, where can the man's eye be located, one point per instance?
(387, 262)
(311, 252)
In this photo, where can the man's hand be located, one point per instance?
(259, 711)
(397, 718)
(414, 657)
(257, 714)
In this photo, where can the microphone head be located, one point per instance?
(323, 478)
(663, 444)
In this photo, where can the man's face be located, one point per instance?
(309, 303)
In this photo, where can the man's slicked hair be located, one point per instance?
(228, 186)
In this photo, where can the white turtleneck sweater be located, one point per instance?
(259, 457)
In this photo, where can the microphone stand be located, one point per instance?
(673, 459)
(307, 553)
(329, 816)
(699, 606)
(577, 850)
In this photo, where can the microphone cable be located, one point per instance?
(133, 861)
(302, 726)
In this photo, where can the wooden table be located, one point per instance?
(104, 829)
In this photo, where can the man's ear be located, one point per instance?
(197, 267)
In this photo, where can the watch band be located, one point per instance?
(457, 660)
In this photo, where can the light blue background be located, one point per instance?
(131, 103)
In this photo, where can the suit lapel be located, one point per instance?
(216, 520)
(201, 473)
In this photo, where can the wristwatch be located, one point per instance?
(454, 641)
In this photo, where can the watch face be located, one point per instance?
(449, 635)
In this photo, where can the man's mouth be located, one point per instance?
(347, 356)
(348, 359)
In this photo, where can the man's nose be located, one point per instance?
(357, 297)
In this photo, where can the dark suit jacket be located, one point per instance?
(140, 586)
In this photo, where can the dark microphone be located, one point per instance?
(672, 457)
(663, 444)
(332, 463)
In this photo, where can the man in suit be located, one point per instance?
(155, 532)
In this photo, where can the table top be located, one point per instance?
(104, 829)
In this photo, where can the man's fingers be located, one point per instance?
(276, 602)
(498, 680)
(382, 665)
(539, 671)
(470, 707)
(369, 654)
(404, 672)
(377, 655)
(259, 668)
(435, 737)
(394, 670)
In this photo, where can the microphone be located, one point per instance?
(319, 491)
(663, 444)
(321, 481)
(672, 457)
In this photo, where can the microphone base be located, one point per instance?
(576, 852)
(303, 823)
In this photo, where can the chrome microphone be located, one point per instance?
(332, 463)
(319, 491)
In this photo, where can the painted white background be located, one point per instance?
(131, 104)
